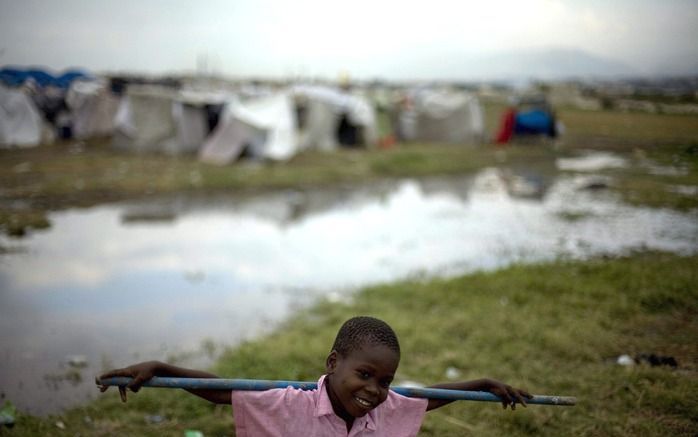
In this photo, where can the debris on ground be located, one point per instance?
(7, 415)
(650, 359)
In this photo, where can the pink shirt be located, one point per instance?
(291, 412)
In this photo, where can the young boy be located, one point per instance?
(352, 399)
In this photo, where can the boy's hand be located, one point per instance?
(140, 373)
(510, 395)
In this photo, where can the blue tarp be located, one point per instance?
(14, 76)
(535, 121)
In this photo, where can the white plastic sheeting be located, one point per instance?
(20, 121)
(265, 125)
(191, 119)
(442, 116)
(93, 108)
(159, 119)
(324, 107)
(145, 120)
(191, 128)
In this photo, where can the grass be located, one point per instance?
(553, 328)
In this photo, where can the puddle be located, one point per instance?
(591, 162)
(158, 280)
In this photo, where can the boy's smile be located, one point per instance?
(359, 382)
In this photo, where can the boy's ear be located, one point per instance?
(331, 362)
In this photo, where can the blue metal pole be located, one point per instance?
(260, 384)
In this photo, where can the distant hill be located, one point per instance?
(547, 64)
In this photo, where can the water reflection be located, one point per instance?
(133, 281)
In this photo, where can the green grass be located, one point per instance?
(627, 129)
(553, 328)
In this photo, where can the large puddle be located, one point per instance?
(175, 278)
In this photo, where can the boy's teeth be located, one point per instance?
(363, 402)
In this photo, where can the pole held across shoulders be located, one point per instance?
(260, 385)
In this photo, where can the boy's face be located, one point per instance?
(359, 382)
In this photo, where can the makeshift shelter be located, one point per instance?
(16, 76)
(442, 116)
(196, 114)
(535, 122)
(160, 119)
(21, 123)
(263, 127)
(530, 116)
(93, 107)
(332, 118)
(144, 121)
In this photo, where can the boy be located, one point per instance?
(352, 399)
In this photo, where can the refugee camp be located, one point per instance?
(320, 218)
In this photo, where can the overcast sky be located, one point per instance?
(361, 38)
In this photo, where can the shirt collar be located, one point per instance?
(323, 407)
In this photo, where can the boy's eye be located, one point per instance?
(363, 374)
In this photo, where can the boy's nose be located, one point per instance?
(372, 388)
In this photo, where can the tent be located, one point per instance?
(264, 127)
(533, 122)
(196, 114)
(16, 76)
(144, 121)
(331, 118)
(21, 123)
(93, 107)
(440, 115)
(161, 119)
(531, 116)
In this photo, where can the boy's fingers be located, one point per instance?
(100, 386)
(506, 400)
(521, 399)
(135, 385)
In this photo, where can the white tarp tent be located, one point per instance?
(21, 123)
(159, 119)
(441, 116)
(93, 107)
(144, 121)
(325, 107)
(191, 117)
(266, 126)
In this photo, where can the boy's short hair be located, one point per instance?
(362, 330)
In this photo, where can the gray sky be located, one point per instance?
(361, 38)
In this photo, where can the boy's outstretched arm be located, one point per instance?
(142, 372)
(510, 395)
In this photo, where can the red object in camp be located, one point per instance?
(387, 142)
(506, 128)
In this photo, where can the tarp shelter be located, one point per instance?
(144, 121)
(21, 123)
(442, 116)
(93, 107)
(196, 114)
(263, 127)
(161, 119)
(530, 116)
(332, 117)
(15, 76)
(534, 122)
